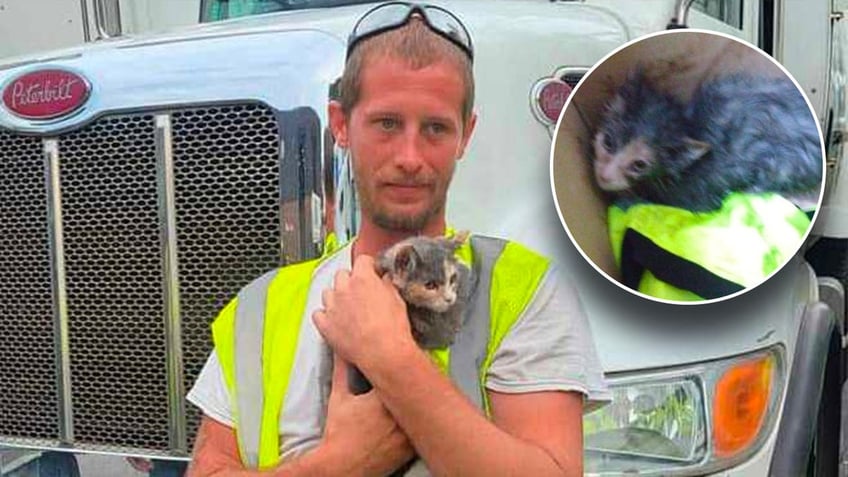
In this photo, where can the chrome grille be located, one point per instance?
(114, 283)
(227, 183)
(227, 173)
(28, 396)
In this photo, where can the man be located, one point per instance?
(405, 115)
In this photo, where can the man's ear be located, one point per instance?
(338, 123)
(467, 131)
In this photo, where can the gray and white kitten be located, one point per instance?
(433, 283)
(739, 133)
(435, 286)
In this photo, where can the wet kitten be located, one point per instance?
(739, 133)
(435, 286)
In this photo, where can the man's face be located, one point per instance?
(405, 135)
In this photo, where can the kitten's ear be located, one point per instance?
(383, 264)
(405, 259)
(459, 238)
(635, 85)
(616, 106)
(694, 149)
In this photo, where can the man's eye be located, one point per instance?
(388, 124)
(436, 128)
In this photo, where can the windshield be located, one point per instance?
(215, 10)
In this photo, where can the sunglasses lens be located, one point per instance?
(381, 18)
(449, 26)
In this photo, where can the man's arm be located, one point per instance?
(216, 455)
(360, 438)
(532, 434)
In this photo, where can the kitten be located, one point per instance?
(432, 282)
(435, 286)
(739, 133)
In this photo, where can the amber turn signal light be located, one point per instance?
(740, 405)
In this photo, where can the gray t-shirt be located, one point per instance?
(549, 348)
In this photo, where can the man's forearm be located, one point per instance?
(452, 436)
(216, 455)
(311, 463)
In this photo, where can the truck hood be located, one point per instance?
(280, 58)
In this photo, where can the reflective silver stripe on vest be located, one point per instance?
(468, 352)
(249, 329)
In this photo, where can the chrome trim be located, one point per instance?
(778, 31)
(681, 11)
(60, 300)
(171, 284)
(99, 20)
(84, 448)
(298, 73)
(86, 30)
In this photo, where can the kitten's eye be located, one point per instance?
(608, 143)
(453, 279)
(638, 166)
(432, 285)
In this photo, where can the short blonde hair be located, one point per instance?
(415, 43)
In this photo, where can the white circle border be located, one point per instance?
(573, 94)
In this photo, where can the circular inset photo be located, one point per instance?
(687, 167)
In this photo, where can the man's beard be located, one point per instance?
(400, 221)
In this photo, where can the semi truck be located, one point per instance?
(147, 177)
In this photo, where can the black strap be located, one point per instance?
(639, 253)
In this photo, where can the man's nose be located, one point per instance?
(410, 156)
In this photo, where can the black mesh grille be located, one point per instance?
(227, 182)
(28, 400)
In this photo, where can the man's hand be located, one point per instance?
(140, 464)
(364, 318)
(360, 432)
(360, 438)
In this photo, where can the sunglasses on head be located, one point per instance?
(389, 16)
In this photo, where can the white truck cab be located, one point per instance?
(197, 159)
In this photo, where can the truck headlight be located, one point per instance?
(693, 419)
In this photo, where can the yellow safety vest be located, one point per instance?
(258, 331)
(677, 254)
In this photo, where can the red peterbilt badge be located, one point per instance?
(45, 94)
(549, 95)
(552, 97)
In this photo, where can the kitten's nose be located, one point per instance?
(603, 178)
(450, 298)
